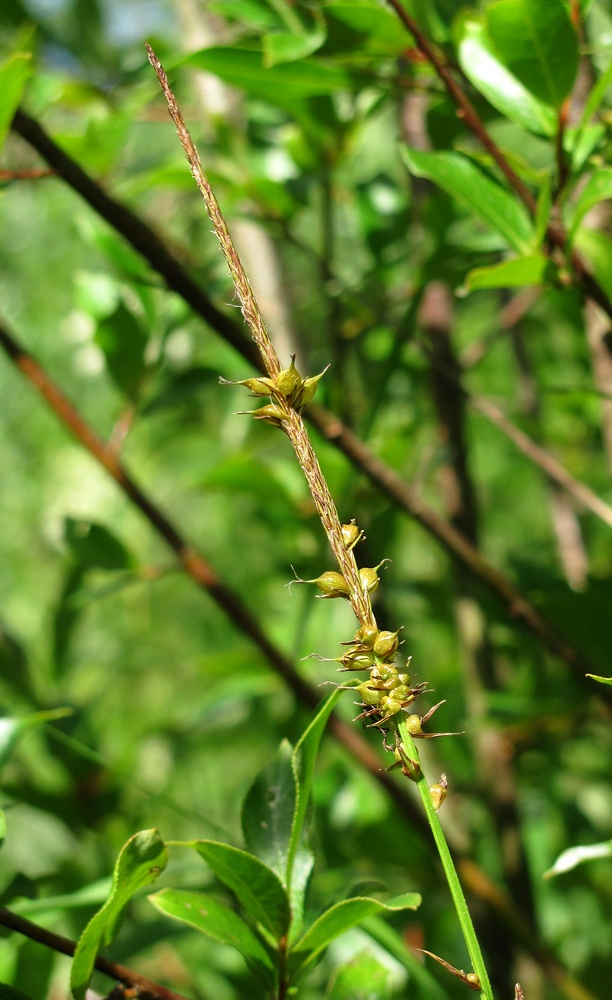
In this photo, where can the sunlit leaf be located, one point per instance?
(257, 887)
(140, 862)
(493, 80)
(474, 190)
(13, 728)
(14, 74)
(536, 41)
(340, 918)
(215, 920)
(536, 270)
(575, 856)
(601, 680)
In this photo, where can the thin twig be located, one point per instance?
(147, 988)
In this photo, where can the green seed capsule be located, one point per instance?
(366, 636)
(413, 725)
(369, 695)
(331, 584)
(287, 381)
(384, 674)
(307, 390)
(256, 386)
(369, 577)
(351, 534)
(357, 659)
(386, 644)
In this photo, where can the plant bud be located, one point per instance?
(331, 584)
(369, 695)
(439, 791)
(287, 381)
(413, 725)
(356, 659)
(384, 674)
(351, 534)
(366, 636)
(271, 413)
(256, 386)
(369, 577)
(306, 391)
(386, 644)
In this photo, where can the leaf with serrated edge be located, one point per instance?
(140, 862)
(218, 922)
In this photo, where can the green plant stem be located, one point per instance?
(463, 914)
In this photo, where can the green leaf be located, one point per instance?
(536, 270)
(575, 856)
(93, 545)
(340, 918)
(535, 40)
(493, 80)
(304, 760)
(286, 82)
(363, 29)
(123, 343)
(363, 978)
(2, 826)
(268, 811)
(255, 885)
(215, 920)
(12, 729)
(140, 862)
(597, 188)
(474, 190)
(601, 680)
(596, 248)
(14, 74)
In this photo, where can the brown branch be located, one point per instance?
(147, 989)
(147, 243)
(555, 232)
(547, 462)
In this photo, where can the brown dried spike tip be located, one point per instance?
(518, 993)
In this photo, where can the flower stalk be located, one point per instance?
(387, 692)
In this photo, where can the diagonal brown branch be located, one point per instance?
(146, 988)
(148, 244)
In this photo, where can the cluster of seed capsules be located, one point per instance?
(388, 689)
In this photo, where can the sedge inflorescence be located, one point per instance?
(388, 690)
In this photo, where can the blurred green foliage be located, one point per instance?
(325, 136)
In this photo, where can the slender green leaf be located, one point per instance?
(601, 680)
(13, 728)
(215, 920)
(501, 88)
(140, 862)
(536, 41)
(304, 759)
(14, 74)
(597, 188)
(536, 270)
(340, 918)
(2, 826)
(575, 856)
(474, 190)
(255, 885)
(363, 29)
